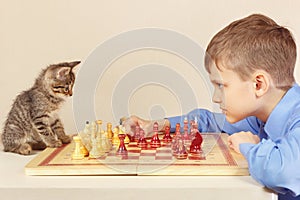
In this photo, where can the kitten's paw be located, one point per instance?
(65, 139)
(25, 149)
(56, 143)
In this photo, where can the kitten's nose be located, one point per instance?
(70, 93)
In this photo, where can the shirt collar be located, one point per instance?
(277, 121)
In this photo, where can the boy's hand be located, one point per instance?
(236, 139)
(131, 122)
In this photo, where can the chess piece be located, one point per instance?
(167, 137)
(86, 129)
(109, 131)
(180, 151)
(177, 130)
(142, 142)
(77, 154)
(96, 150)
(136, 135)
(93, 129)
(176, 137)
(105, 142)
(155, 142)
(115, 140)
(99, 124)
(122, 148)
(83, 149)
(195, 148)
(186, 136)
(194, 127)
(122, 131)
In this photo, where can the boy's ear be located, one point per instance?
(261, 83)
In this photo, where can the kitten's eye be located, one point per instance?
(66, 89)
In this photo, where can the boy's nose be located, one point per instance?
(217, 97)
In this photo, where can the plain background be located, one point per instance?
(34, 34)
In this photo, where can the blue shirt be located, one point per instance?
(275, 161)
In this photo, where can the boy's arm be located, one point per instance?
(276, 164)
(216, 122)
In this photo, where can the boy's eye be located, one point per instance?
(219, 85)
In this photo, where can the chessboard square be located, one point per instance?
(146, 159)
(130, 157)
(170, 157)
(132, 145)
(134, 151)
(197, 158)
(166, 151)
(148, 154)
(148, 150)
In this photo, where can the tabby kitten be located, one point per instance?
(32, 122)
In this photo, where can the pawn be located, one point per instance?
(167, 137)
(77, 154)
(95, 152)
(115, 140)
(109, 130)
(142, 142)
(180, 151)
(155, 142)
(122, 148)
(195, 148)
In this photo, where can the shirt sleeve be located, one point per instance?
(216, 122)
(276, 164)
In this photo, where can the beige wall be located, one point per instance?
(36, 33)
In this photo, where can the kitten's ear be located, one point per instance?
(62, 72)
(74, 64)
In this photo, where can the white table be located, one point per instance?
(14, 184)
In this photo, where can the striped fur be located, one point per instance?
(32, 122)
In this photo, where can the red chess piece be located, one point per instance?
(142, 142)
(136, 134)
(186, 135)
(155, 142)
(177, 129)
(122, 148)
(195, 148)
(194, 128)
(180, 151)
(167, 137)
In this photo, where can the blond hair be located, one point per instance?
(252, 43)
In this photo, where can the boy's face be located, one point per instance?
(235, 96)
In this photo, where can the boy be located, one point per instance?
(251, 65)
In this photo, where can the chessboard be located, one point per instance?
(217, 159)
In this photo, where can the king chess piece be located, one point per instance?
(122, 148)
(167, 137)
(155, 142)
(142, 142)
(195, 148)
